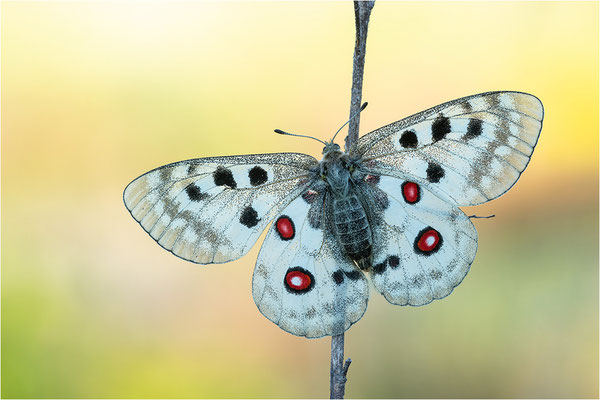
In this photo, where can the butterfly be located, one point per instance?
(387, 209)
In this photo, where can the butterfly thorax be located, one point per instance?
(335, 169)
(350, 221)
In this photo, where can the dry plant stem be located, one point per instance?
(337, 377)
(362, 13)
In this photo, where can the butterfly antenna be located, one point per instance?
(293, 134)
(477, 216)
(351, 118)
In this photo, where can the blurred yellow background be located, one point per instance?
(94, 94)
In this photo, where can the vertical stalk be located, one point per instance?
(362, 13)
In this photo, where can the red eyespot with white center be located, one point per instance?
(285, 227)
(428, 241)
(298, 280)
(411, 192)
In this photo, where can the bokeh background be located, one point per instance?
(94, 94)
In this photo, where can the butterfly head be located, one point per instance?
(331, 149)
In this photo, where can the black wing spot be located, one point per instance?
(353, 275)
(223, 177)
(393, 261)
(409, 140)
(338, 276)
(379, 268)
(440, 128)
(434, 172)
(310, 196)
(194, 193)
(257, 176)
(473, 129)
(249, 217)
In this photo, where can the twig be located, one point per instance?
(337, 375)
(362, 13)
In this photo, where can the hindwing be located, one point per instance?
(303, 281)
(423, 246)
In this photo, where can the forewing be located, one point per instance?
(212, 210)
(302, 281)
(423, 246)
(468, 151)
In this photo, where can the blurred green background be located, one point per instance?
(94, 94)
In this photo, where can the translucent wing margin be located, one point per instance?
(467, 151)
(212, 210)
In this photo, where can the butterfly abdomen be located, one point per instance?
(352, 228)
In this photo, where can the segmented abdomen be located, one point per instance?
(352, 227)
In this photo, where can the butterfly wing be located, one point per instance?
(302, 281)
(212, 210)
(423, 246)
(467, 151)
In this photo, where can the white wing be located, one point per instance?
(422, 246)
(467, 151)
(212, 210)
(302, 280)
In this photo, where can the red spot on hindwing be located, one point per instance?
(411, 192)
(285, 227)
(298, 280)
(428, 241)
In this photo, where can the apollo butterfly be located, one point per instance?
(388, 208)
